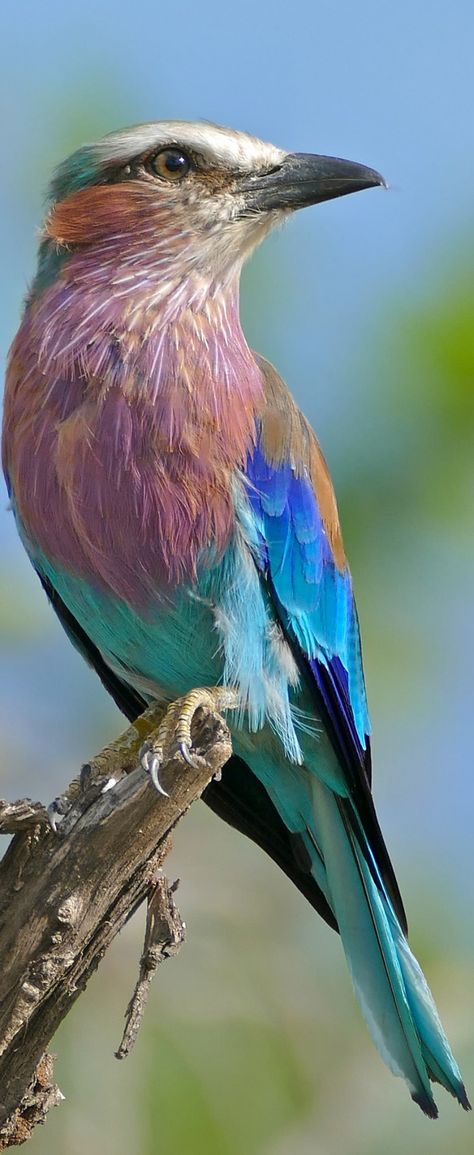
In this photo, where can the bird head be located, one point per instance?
(174, 200)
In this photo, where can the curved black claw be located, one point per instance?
(151, 761)
(185, 751)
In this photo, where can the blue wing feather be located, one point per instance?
(315, 598)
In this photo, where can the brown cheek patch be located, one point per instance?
(93, 213)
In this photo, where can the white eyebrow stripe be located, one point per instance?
(222, 146)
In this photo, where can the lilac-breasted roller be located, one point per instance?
(177, 508)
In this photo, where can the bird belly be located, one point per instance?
(163, 650)
(219, 630)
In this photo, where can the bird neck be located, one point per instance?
(137, 419)
(173, 347)
(136, 296)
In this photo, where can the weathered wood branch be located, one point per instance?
(64, 896)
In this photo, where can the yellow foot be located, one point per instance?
(174, 733)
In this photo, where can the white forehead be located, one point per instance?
(223, 146)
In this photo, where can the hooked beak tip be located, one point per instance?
(306, 179)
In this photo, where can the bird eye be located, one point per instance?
(171, 164)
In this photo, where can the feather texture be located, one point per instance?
(181, 517)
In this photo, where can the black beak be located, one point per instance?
(304, 179)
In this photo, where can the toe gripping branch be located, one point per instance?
(176, 731)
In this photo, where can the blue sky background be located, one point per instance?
(326, 299)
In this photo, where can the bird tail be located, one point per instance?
(394, 996)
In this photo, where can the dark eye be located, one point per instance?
(171, 164)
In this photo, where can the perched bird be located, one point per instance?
(177, 508)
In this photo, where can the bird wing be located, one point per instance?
(303, 565)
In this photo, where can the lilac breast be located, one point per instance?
(121, 450)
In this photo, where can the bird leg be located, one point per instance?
(174, 733)
(102, 772)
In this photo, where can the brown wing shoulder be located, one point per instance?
(287, 436)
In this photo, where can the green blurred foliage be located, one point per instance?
(417, 414)
(193, 1105)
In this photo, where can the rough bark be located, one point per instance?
(64, 896)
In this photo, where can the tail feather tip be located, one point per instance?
(426, 1103)
(462, 1098)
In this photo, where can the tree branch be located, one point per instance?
(64, 896)
(164, 934)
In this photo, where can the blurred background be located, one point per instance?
(252, 1042)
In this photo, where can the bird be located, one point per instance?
(178, 510)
